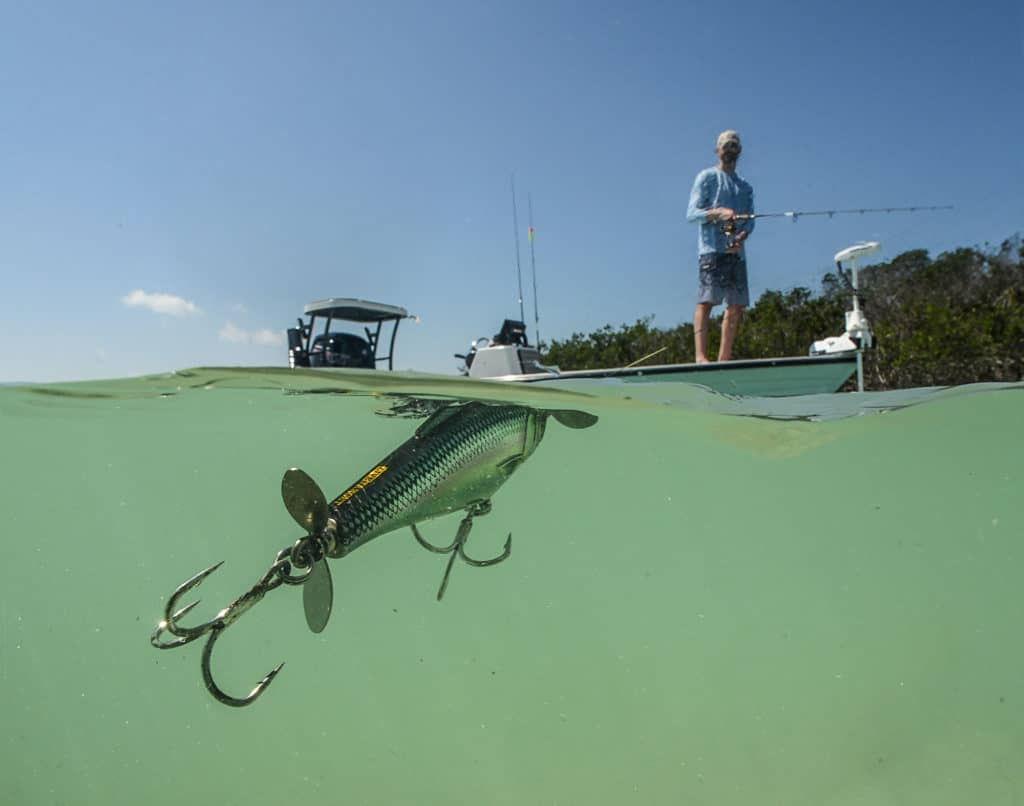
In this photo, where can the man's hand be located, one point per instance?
(736, 243)
(720, 214)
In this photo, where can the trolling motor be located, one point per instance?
(858, 334)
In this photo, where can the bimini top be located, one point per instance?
(355, 310)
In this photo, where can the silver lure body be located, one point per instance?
(460, 456)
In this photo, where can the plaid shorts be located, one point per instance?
(723, 278)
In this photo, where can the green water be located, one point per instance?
(699, 608)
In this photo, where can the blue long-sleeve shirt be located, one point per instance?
(714, 187)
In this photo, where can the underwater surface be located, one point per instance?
(709, 599)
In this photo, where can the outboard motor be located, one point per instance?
(343, 350)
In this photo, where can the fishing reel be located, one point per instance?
(728, 226)
(729, 230)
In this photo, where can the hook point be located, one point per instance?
(263, 685)
(178, 614)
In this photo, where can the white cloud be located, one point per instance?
(271, 338)
(160, 303)
(231, 333)
(264, 337)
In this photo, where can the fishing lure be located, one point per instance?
(455, 462)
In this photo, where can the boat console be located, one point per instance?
(508, 352)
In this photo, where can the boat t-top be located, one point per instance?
(340, 349)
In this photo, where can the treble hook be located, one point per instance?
(279, 573)
(457, 548)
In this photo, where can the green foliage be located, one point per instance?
(956, 319)
(608, 347)
(787, 323)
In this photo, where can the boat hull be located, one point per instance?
(764, 377)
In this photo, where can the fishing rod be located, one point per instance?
(515, 234)
(533, 267)
(729, 227)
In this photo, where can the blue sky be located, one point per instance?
(242, 159)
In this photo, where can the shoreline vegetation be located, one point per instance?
(954, 319)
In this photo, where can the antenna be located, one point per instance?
(515, 235)
(533, 267)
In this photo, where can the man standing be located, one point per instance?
(720, 194)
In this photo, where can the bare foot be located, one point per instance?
(701, 359)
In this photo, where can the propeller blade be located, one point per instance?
(318, 596)
(304, 500)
